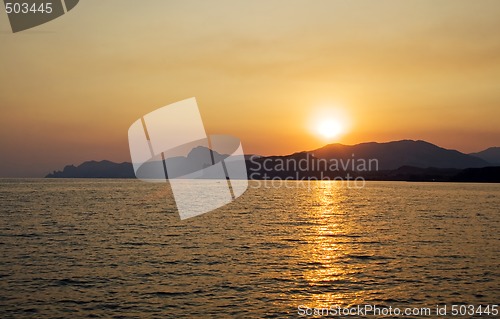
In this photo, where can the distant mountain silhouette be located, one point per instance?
(491, 155)
(393, 155)
(93, 169)
(478, 175)
(405, 160)
(197, 159)
(416, 174)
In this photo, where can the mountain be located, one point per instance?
(415, 174)
(491, 155)
(478, 175)
(198, 158)
(393, 155)
(399, 160)
(94, 169)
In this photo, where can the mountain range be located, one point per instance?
(491, 155)
(397, 160)
(393, 155)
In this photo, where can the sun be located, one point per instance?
(329, 122)
(329, 128)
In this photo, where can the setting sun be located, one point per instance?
(329, 122)
(329, 128)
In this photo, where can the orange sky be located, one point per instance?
(260, 70)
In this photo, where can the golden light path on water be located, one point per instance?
(325, 250)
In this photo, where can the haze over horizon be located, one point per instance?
(268, 72)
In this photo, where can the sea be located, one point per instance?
(111, 248)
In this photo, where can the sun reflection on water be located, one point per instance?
(328, 272)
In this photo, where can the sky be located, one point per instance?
(268, 72)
